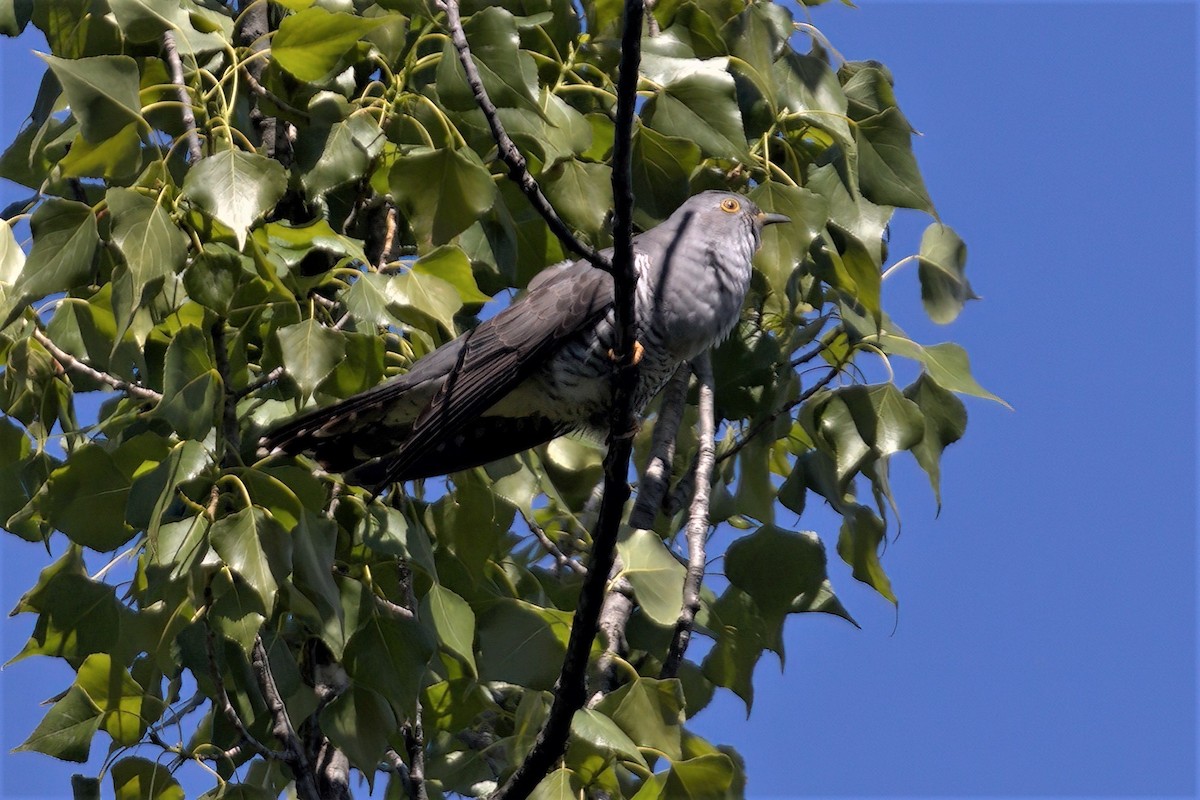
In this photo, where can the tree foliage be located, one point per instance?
(241, 211)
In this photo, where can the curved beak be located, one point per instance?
(765, 218)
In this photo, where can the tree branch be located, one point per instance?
(697, 526)
(570, 689)
(657, 476)
(185, 100)
(293, 752)
(72, 364)
(506, 149)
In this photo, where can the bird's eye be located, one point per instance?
(730, 205)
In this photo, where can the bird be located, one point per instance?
(542, 367)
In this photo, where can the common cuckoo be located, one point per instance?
(542, 367)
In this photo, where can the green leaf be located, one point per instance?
(215, 275)
(418, 294)
(808, 90)
(655, 574)
(116, 159)
(142, 230)
(359, 723)
(947, 364)
(238, 611)
(858, 544)
(741, 636)
(76, 615)
(453, 620)
(776, 566)
(390, 655)
(140, 779)
(85, 499)
(522, 643)
(314, 43)
(945, 423)
(310, 353)
(604, 735)
(12, 257)
(697, 102)
(191, 384)
(509, 75)
(850, 213)
(235, 188)
(561, 784)
(64, 241)
(650, 712)
(102, 92)
(153, 491)
(887, 169)
(579, 191)
(126, 707)
(442, 192)
(886, 420)
(707, 777)
(661, 166)
(338, 158)
(145, 21)
(941, 264)
(257, 548)
(837, 432)
(67, 729)
(450, 264)
(386, 531)
(14, 16)
(784, 247)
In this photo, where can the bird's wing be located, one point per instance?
(412, 414)
(499, 354)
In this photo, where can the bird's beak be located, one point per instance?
(765, 218)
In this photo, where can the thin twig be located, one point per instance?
(222, 698)
(293, 754)
(185, 100)
(262, 381)
(231, 436)
(657, 476)
(614, 618)
(560, 558)
(571, 687)
(71, 363)
(697, 526)
(506, 149)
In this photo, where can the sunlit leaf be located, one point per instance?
(235, 188)
(314, 42)
(102, 92)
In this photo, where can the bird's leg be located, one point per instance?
(638, 352)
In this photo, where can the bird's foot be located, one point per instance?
(638, 352)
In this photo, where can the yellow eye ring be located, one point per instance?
(730, 205)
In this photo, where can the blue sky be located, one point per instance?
(1046, 638)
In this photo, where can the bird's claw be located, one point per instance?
(638, 352)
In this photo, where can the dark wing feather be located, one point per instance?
(474, 371)
(496, 357)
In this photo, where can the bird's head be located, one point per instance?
(724, 218)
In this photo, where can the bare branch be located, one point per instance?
(293, 753)
(614, 616)
(507, 150)
(697, 526)
(414, 741)
(72, 364)
(262, 381)
(185, 100)
(657, 476)
(560, 558)
(570, 689)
